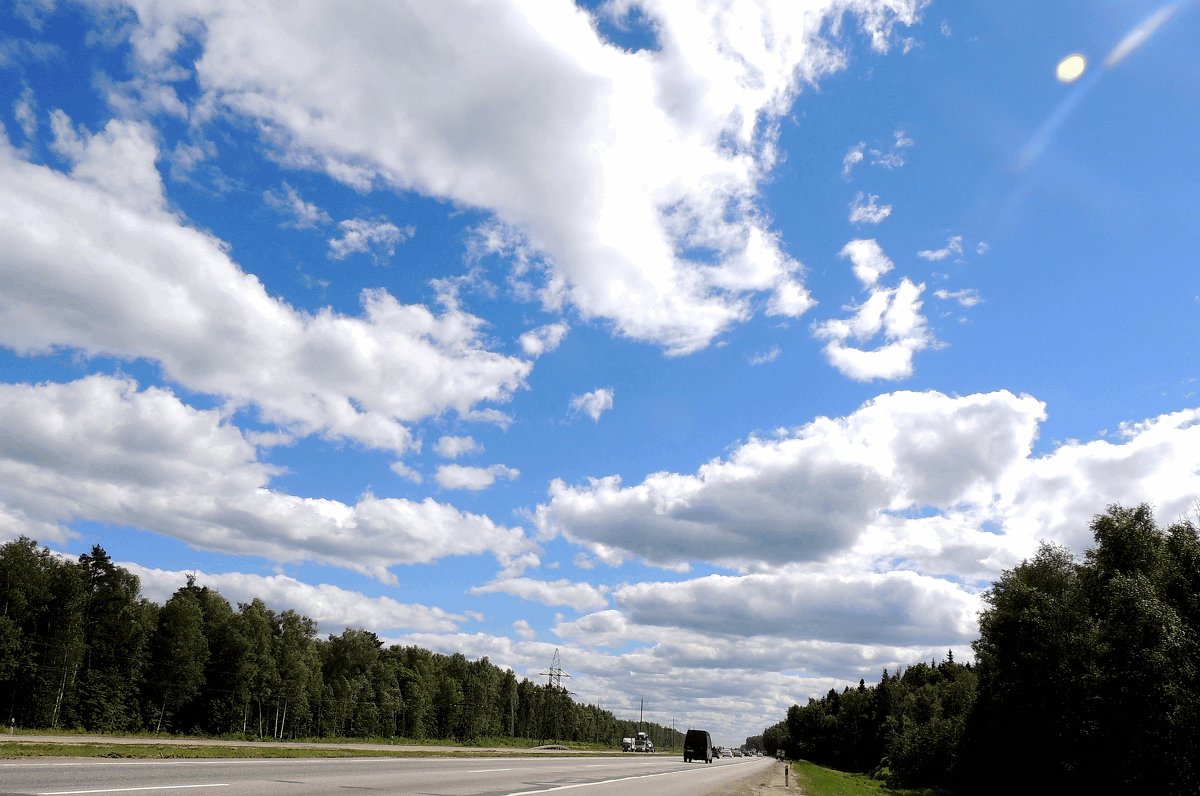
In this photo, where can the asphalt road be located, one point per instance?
(493, 776)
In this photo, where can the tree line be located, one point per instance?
(1086, 679)
(81, 648)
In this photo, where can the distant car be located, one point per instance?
(716, 751)
(737, 752)
(697, 745)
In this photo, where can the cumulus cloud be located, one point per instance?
(524, 630)
(892, 608)
(543, 339)
(332, 607)
(807, 494)
(617, 169)
(893, 314)
(580, 596)
(378, 238)
(1155, 461)
(406, 472)
(866, 210)
(94, 261)
(457, 476)
(867, 260)
(594, 403)
(99, 449)
(450, 447)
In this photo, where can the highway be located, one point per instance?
(490, 776)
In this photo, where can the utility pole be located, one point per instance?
(554, 687)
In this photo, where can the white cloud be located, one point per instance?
(954, 246)
(333, 608)
(302, 214)
(1156, 461)
(864, 210)
(524, 630)
(892, 608)
(25, 112)
(895, 315)
(965, 498)
(893, 157)
(93, 261)
(890, 313)
(543, 339)
(594, 403)
(450, 447)
(363, 236)
(457, 476)
(853, 157)
(580, 596)
(767, 356)
(807, 494)
(967, 297)
(618, 166)
(406, 472)
(867, 259)
(100, 450)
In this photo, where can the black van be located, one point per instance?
(697, 745)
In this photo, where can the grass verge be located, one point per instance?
(820, 781)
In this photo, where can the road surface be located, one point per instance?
(492, 776)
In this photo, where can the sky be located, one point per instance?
(732, 349)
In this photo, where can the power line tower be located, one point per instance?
(555, 691)
(556, 674)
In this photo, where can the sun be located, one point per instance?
(1070, 68)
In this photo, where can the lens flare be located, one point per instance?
(1070, 68)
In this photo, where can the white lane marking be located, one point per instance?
(126, 790)
(601, 782)
(487, 770)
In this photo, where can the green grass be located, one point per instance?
(153, 750)
(74, 744)
(820, 781)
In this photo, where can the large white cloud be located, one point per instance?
(331, 607)
(94, 261)
(1156, 461)
(580, 596)
(635, 174)
(808, 493)
(101, 450)
(893, 608)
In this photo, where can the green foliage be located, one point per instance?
(81, 649)
(1089, 669)
(1088, 672)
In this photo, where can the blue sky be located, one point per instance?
(732, 350)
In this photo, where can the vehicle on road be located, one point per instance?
(697, 745)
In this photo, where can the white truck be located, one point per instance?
(642, 743)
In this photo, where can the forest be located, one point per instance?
(1086, 680)
(82, 649)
